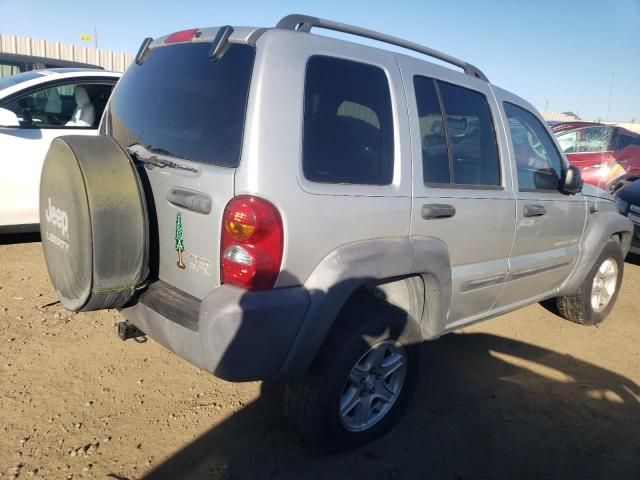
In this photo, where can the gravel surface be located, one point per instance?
(525, 395)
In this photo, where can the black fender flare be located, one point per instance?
(343, 271)
(600, 227)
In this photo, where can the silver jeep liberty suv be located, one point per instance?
(271, 204)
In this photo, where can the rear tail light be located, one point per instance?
(251, 244)
(182, 36)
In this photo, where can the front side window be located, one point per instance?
(348, 123)
(457, 135)
(72, 105)
(568, 141)
(538, 163)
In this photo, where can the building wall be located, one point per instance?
(561, 117)
(109, 60)
(119, 62)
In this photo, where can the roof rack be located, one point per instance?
(304, 23)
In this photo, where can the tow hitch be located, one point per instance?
(128, 330)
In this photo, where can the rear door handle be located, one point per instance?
(437, 210)
(194, 201)
(534, 210)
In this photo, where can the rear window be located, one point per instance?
(10, 81)
(181, 103)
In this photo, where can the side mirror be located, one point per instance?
(572, 182)
(546, 179)
(8, 118)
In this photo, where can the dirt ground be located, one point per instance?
(525, 395)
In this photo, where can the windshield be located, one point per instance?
(182, 103)
(16, 79)
(583, 140)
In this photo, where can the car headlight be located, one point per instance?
(622, 205)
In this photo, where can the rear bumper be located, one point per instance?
(234, 334)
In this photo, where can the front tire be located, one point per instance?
(358, 386)
(597, 294)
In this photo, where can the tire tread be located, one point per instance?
(577, 307)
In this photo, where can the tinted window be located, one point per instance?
(183, 104)
(435, 154)
(538, 163)
(70, 105)
(457, 135)
(471, 136)
(348, 125)
(623, 141)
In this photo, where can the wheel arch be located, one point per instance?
(600, 227)
(413, 273)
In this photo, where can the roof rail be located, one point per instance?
(304, 23)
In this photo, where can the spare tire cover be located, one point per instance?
(93, 222)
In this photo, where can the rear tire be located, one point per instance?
(360, 381)
(597, 294)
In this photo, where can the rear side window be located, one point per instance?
(538, 162)
(457, 135)
(623, 141)
(348, 123)
(435, 153)
(181, 103)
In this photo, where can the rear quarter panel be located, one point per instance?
(317, 217)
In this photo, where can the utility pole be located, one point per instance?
(95, 36)
(610, 94)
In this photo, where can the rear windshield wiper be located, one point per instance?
(152, 157)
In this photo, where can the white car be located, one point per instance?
(35, 108)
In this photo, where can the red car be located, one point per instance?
(602, 152)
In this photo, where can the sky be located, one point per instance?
(559, 55)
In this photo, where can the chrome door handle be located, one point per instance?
(437, 210)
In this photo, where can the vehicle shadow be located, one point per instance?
(14, 238)
(485, 407)
(633, 259)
